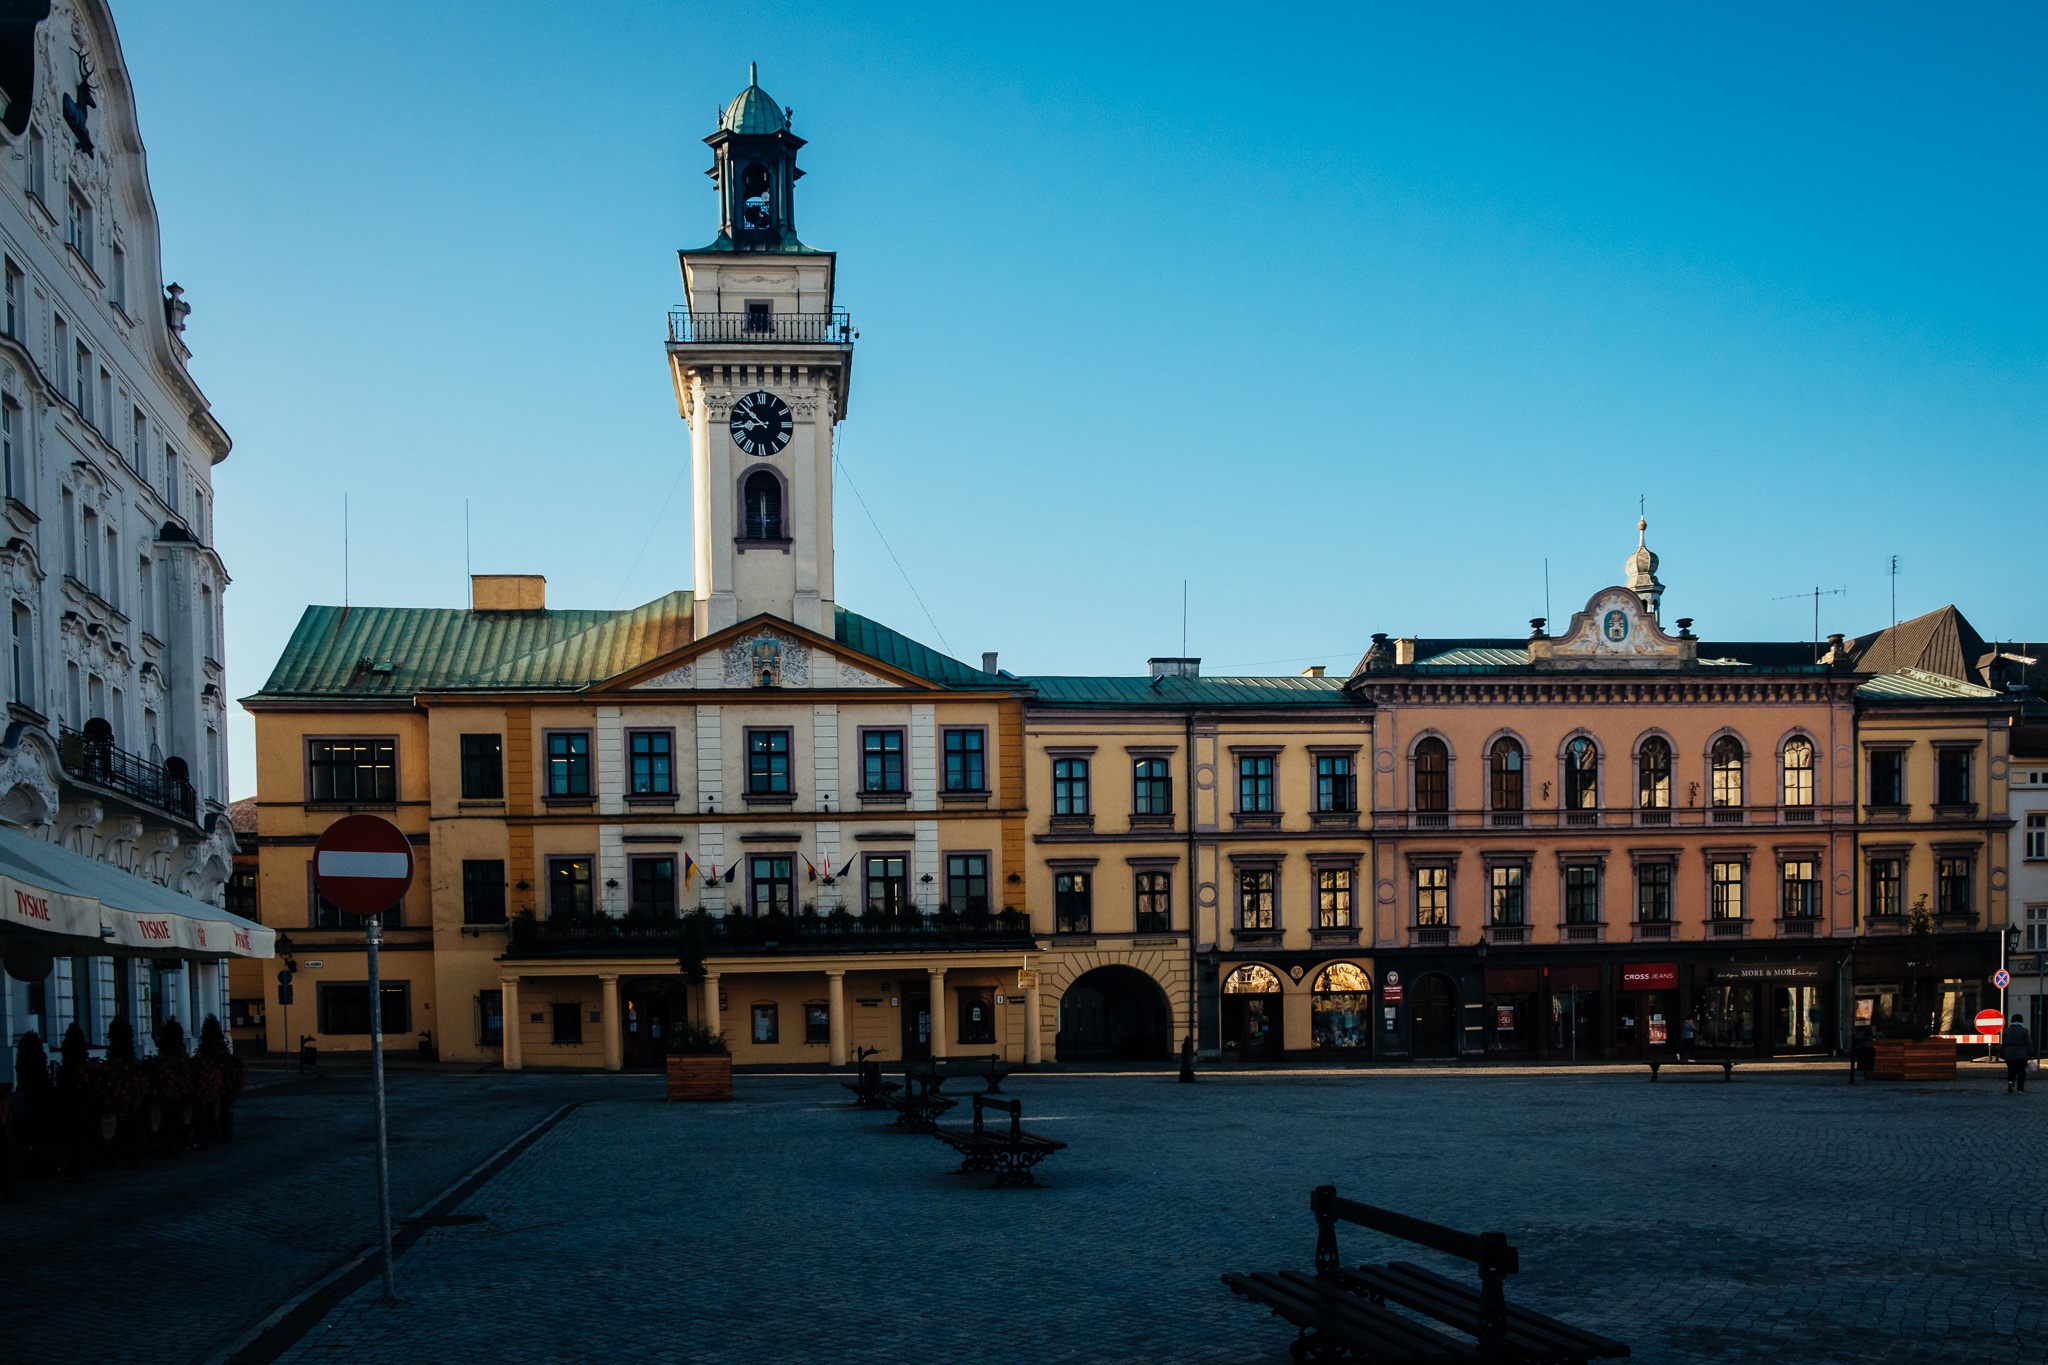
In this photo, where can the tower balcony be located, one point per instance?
(760, 326)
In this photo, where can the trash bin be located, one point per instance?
(309, 1053)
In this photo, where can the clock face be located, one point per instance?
(760, 423)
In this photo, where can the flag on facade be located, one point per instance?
(689, 869)
(848, 868)
(730, 873)
(810, 869)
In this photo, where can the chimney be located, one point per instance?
(1312, 671)
(1404, 650)
(1176, 668)
(508, 592)
(988, 661)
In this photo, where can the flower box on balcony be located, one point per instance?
(699, 1076)
(1914, 1059)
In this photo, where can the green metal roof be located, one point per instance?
(1913, 684)
(1476, 657)
(753, 110)
(1184, 692)
(877, 641)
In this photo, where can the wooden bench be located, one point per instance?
(1727, 1065)
(1349, 1314)
(1008, 1154)
(870, 1091)
(921, 1102)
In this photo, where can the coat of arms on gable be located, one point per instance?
(767, 659)
(1616, 630)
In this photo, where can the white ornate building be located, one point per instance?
(112, 760)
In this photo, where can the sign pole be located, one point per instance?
(373, 934)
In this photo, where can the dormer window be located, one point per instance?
(764, 506)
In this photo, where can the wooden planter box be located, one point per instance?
(709, 1076)
(1902, 1059)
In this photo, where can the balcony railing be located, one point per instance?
(764, 328)
(95, 758)
(715, 935)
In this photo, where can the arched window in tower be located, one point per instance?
(1581, 775)
(1432, 776)
(1653, 775)
(1799, 775)
(1507, 775)
(755, 184)
(764, 506)
(1726, 756)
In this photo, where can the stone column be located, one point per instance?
(711, 1011)
(613, 1024)
(509, 1019)
(1034, 1043)
(835, 1005)
(938, 976)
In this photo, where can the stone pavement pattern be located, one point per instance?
(169, 1263)
(1787, 1217)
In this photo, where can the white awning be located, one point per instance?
(50, 889)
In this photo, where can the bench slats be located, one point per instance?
(1454, 1304)
(1435, 1236)
(1526, 1319)
(1379, 1332)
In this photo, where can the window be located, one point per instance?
(111, 589)
(1724, 884)
(888, 883)
(60, 352)
(483, 891)
(650, 757)
(1799, 773)
(1255, 784)
(354, 770)
(1581, 775)
(1154, 898)
(88, 571)
(13, 314)
(78, 225)
(145, 597)
(81, 393)
(1952, 887)
(1887, 887)
(138, 443)
(1333, 898)
(771, 884)
(2037, 928)
(760, 315)
(1509, 883)
(1505, 763)
(567, 1016)
(1336, 784)
(817, 1022)
(490, 1016)
(651, 886)
(764, 506)
(1432, 896)
(1653, 775)
(767, 762)
(569, 764)
(966, 768)
(967, 883)
(241, 893)
(1887, 777)
(483, 767)
(1726, 759)
(105, 406)
(344, 1007)
(209, 643)
(2037, 836)
(568, 888)
(32, 174)
(977, 1014)
(1257, 894)
(1653, 893)
(881, 761)
(1952, 777)
(22, 657)
(117, 267)
(13, 454)
(1801, 891)
(1151, 787)
(1582, 894)
(1073, 903)
(1070, 786)
(1432, 775)
(765, 1028)
(171, 479)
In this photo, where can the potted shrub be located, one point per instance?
(699, 1065)
(1903, 1047)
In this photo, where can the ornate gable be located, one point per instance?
(762, 653)
(1615, 631)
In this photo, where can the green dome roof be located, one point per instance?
(753, 110)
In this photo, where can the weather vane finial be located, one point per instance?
(753, 73)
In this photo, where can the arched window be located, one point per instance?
(1507, 775)
(1581, 775)
(1727, 760)
(1432, 775)
(1799, 773)
(764, 506)
(1340, 1007)
(1653, 775)
(1251, 979)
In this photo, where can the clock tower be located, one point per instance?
(761, 358)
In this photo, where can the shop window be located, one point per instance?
(1508, 903)
(1155, 902)
(817, 1021)
(1653, 893)
(568, 1022)
(1432, 896)
(1073, 903)
(1340, 1007)
(977, 1014)
(1333, 898)
(1252, 979)
(765, 1027)
(1801, 890)
(344, 1007)
(483, 891)
(1887, 887)
(1582, 894)
(483, 767)
(490, 1016)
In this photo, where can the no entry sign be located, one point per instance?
(363, 864)
(1990, 1021)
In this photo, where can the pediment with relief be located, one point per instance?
(765, 657)
(1615, 631)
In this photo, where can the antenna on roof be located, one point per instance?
(344, 554)
(1546, 587)
(1183, 618)
(1816, 594)
(468, 574)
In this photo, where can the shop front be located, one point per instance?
(1252, 1015)
(1766, 1009)
(1646, 1009)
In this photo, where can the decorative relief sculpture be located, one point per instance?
(849, 676)
(767, 660)
(682, 675)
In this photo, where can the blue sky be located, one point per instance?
(1350, 317)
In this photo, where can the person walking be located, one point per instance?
(1686, 1030)
(2019, 1049)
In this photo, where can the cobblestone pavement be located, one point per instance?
(171, 1262)
(1786, 1217)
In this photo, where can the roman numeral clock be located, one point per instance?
(761, 424)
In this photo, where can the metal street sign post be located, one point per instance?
(363, 865)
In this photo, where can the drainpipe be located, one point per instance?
(1194, 906)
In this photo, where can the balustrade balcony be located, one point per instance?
(90, 756)
(760, 327)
